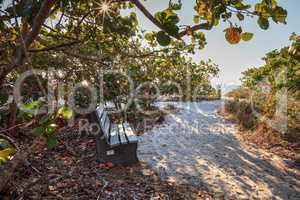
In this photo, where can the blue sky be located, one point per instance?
(234, 59)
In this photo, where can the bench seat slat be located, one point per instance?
(103, 119)
(106, 127)
(123, 139)
(132, 138)
(100, 110)
(114, 136)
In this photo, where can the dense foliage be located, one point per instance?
(272, 86)
(32, 26)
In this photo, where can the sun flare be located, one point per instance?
(104, 8)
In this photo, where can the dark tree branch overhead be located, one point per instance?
(20, 52)
(38, 22)
(204, 26)
(141, 7)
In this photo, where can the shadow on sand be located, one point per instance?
(196, 146)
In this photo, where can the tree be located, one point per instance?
(25, 25)
(280, 72)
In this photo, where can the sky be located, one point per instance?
(233, 59)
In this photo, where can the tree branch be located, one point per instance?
(20, 52)
(141, 7)
(49, 48)
(88, 58)
(38, 22)
(204, 26)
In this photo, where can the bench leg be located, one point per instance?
(125, 154)
(101, 148)
(131, 153)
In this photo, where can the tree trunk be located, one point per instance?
(21, 50)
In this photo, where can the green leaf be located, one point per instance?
(50, 130)
(133, 18)
(2, 160)
(130, 5)
(163, 39)
(32, 105)
(172, 19)
(51, 142)
(246, 36)
(226, 16)
(171, 29)
(160, 16)
(241, 6)
(258, 8)
(175, 6)
(196, 19)
(217, 21)
(65, 112)
(279, 15)
(273, 3)
(149, 36)
(263, 23)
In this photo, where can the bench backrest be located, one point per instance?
(104, 121)
(115, 134)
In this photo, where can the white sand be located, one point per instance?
(197, 146)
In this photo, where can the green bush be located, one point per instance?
(243, 113)
(246, 116)
(231, 106)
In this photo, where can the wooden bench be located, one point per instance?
(115, 143)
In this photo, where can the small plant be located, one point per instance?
(6, 151)
(49, 124)
(243, 113)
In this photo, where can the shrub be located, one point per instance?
(243, 113)
(231, 106)
(246, 116)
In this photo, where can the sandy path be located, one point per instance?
(196, 146)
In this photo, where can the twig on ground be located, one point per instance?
(103, 189)
(25, 124)
(28, 164)
(12, 141)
